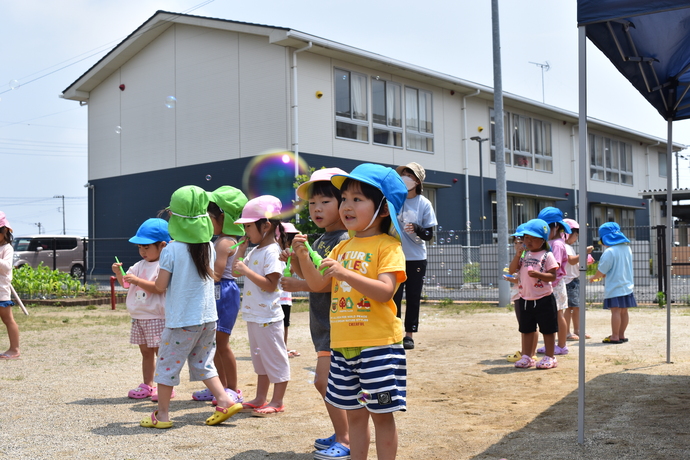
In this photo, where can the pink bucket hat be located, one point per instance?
(320, 175)
(572, 223)
(4, 222)
(262, 207)
(288, 228)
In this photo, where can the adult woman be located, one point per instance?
(417, 220)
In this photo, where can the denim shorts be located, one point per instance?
(573, 290)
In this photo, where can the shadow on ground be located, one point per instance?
(627, 415)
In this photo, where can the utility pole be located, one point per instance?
(39, 225)
(63, 212)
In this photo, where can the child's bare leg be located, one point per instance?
(576, 320)
(529, 343)
(549, 344)
(568, 313)
(262, 385)
(278, 394)
(358, 420)
(12, 330)
(624, 323)
(225, 361)
(386, 436)
(148, 363)
(218, 391)
(164, 395)
(562, 329)
(615, 323)
(338, 416)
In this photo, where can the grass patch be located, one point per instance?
(42, 318)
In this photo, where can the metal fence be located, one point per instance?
(459, 272)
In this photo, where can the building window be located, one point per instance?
(419, 120)
(527, 142)
(662, 164)
(520, 209)
(610, 160)
(386, 108)
(506, 136)
(351, 113)
(625, 217)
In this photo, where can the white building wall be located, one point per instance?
(104, 118)
(316, 122)
(207, 92)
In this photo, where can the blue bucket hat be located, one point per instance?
(537, 228)
(611, 235)
(384, 179)
(519, 232)
(151, 231)
(554, 215)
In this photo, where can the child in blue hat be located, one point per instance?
(537, 304)
(145, 303)
(616, 265)
(368, 374)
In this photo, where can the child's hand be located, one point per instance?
(511, 278)
(590, 249)
(116, 267)
(131, 279)
(239, 268)
(332, 269)
(284, 254)
(298, 246)
(290, 284)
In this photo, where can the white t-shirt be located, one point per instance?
(259, 306)
(571, 271)
(142, 304)
(189, 300)
(417, 210)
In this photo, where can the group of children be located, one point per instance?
(545, 281)
(184, 301)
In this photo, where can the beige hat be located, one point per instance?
(416, 169)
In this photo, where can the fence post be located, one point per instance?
(112, 292)
(661, 256)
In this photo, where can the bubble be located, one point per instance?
(170, 102)
(457, 237)
(469, 224)
(311, 377)
(363, 397)
(426, 233)
(208, 177)
(257, 351)
(419, 269)
(440, 241)
(118, 129)
(14, 84)
(451, 233)
(434, 243)
(440, 251)
(443, 264)
(450, 272)
(273, 173)
(440, 229)
(448, 240)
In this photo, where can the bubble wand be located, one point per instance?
(125, 284)
(19, 301)
(315, 258)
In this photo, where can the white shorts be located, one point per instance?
(561, 295)
(269, 353)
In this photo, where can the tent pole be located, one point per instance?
(669, 234)
(584, 212)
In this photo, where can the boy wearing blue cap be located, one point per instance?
(145, 303)
(616, 266)
(368, 374)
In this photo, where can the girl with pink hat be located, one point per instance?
(6, 256)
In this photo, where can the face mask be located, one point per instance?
(409, 182)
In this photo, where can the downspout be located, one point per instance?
(467, 159)
(652, 203)
(573, 171)
(92, 241)
(295, 111)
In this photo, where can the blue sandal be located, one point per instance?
(336, 450)
(324, 443)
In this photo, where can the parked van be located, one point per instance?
(61, 252)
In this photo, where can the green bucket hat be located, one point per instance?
(189, 220)
(231, 201)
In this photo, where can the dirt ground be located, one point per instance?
(67, 396)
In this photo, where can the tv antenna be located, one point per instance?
(544, 68)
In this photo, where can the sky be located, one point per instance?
(45, 46)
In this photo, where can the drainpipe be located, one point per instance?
(467, 159)
(652, 203)
(573, 171)
(295, 123)
(92, 242)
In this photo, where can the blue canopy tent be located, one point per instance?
(649, 43)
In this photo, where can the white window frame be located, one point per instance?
(415, 130)
(610, 160)
(361, 123)
(391, 125)
(534, 152)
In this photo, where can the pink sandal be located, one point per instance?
(142, 391)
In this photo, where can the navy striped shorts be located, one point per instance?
(375, 379)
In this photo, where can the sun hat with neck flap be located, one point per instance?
(189, 220)
(231, 201)
(611, 235)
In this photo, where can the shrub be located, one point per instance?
(470, 273)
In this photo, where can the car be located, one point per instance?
(61, 252)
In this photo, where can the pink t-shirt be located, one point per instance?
(534, 288)
(561, 256)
